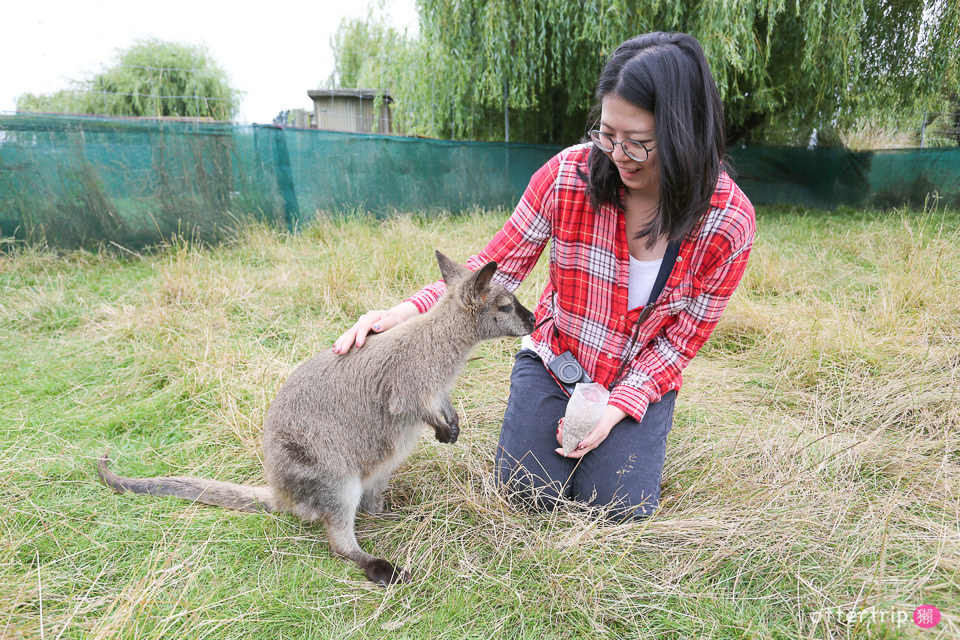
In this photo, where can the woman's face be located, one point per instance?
(622, 120)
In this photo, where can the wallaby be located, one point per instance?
(341, 424)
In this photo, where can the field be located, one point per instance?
(811, 487)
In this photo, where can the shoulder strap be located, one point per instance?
(666, 266)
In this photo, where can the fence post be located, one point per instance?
(506, 109)
(923, 130)
(285, 178)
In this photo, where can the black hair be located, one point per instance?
(668, 75)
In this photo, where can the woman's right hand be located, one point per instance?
(376, 321)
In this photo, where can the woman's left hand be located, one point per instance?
(598, 434)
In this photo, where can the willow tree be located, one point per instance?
(800, 65)
(150, 78)
(365, 52)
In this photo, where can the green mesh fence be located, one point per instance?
(826, 178)
(83, 181)
(75, 181)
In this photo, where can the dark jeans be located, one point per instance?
(622, 474)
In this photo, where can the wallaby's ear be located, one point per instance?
(450, 270)
(481, 279)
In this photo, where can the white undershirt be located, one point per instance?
(643, 274)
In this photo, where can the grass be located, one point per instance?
(810, 489)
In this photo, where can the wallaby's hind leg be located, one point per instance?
(338, 519)
(343, 542)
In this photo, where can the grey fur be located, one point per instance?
(341, 424)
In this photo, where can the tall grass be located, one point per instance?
(810, 488)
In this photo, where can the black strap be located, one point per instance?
(666, 266)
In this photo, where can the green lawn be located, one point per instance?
(811, 487)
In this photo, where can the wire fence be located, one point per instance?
(940, 128)
(71, 181)
(922, 130)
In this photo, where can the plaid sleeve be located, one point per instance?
(657, 367)
(518, 245)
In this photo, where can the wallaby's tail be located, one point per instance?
(221, 494)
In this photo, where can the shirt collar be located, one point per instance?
(721, 192)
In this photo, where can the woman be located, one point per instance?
(647, 197)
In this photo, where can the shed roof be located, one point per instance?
(370, 94)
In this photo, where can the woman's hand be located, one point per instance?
(598, 434)
(376, 321)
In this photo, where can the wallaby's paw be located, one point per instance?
(450, 431)
(373, 506)
(384, 573)
(448, 434)
(374, 511)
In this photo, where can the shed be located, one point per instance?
(352, 110)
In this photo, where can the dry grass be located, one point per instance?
(867, 136)
(810, 488)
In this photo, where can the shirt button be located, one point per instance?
(679, 258)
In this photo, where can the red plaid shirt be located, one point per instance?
(589, 279)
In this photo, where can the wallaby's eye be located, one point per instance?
(507, 308)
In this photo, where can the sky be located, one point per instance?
(273, 52)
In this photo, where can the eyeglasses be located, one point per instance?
(634, 149)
